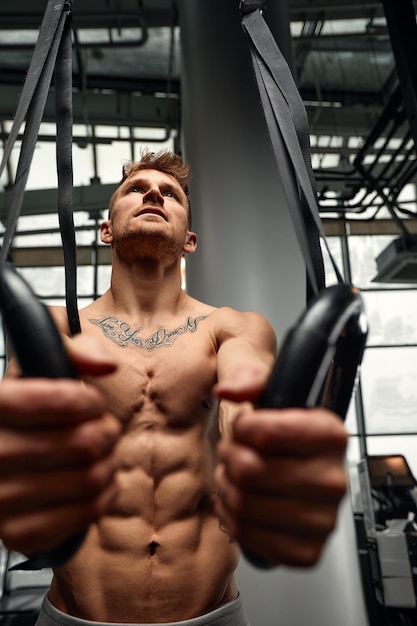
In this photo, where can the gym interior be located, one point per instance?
(177, 75)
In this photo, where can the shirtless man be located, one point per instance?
(166, 504)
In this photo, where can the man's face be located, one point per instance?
(149, 202)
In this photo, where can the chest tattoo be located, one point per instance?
(122, 334)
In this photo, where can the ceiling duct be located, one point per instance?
(398, 262)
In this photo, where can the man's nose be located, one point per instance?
(153, 194)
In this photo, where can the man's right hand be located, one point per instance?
(56, 453)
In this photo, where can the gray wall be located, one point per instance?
(246, 242)
(248, 258)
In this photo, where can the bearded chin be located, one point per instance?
(151, 245)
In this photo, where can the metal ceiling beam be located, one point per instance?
(147, 86)
(351, 113)
(301, 10)
(345, 121)
(87, 14)
(159, 12)
(52, 256)
(354, 43)
(118, 108)
(91, 198)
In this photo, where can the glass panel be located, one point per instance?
(112, 157)
(83, 302)
(45, 282)
(26, 36)
(389, 390)
(85, 279)
(83, 164)
(333, 27)
(336, 251)
(363, 253)
(353, 456)
(43, 169)
(50, 281)
(392, 317)
(351, 422)
(32, 223)
(54, 301)
(353, 453)
(104, 274)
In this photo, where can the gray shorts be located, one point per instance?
(230, 614)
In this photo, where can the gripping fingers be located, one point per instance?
(27, 492)
(292, 431)
(41, 449)
(276, 511)
(42, 530)
(311, 479)
(29, 402)
(280, 530)
(281, 547)
(280, 507)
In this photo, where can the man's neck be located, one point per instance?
(146, 290)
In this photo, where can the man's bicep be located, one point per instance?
(251, 341)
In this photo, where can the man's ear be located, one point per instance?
(106, 234)
(190, 243)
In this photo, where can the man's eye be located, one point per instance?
(169, 194)
(135, 189)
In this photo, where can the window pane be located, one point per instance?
(392, 317)
(351, 422)
(363, 254)
(336, 251)
(45, 282)
(389, 390)
(104, 272)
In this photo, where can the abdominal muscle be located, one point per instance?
(160, 554)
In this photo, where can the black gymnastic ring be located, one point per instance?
(323, 349)
(40, 352)
(319, 360)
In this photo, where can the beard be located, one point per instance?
(150, 242)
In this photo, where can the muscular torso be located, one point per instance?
(160, 554)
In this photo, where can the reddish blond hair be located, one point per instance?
(163, 161)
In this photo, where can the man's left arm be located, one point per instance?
(246, 354)
(282, 474)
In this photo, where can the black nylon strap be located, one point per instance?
(64, 118)
(33, 105)
(287, 122)
(289, 181)
(49, 26)
(53, 50)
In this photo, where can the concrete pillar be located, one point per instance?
(248, 258)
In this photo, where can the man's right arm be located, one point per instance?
(56, 453)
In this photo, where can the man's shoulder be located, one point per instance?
(230, 322)
(228, 314)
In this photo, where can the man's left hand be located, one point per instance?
(281, 478)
